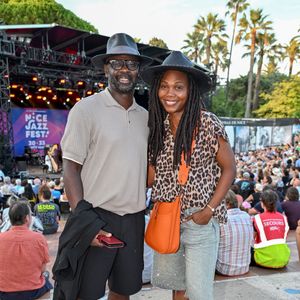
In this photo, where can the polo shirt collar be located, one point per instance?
(19, 227)
(110, 101)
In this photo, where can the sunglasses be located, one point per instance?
(131, 65)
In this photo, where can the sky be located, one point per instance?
(171, 20)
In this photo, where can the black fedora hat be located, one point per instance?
(120, 44)
(179, 62)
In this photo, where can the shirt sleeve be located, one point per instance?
(219, 129)
(76, 138)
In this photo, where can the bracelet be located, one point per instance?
(211, 208)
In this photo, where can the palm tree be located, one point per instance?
(234, 8)
(193, 50)
(292, 52)
(249, 28)
(219, 55)
(212, 29)
(266, 44)
(274, 56)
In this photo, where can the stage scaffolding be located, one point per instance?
(6, 132)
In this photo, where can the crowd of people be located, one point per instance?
(264, 199)
(235, 210)
(43, 195)
(29, 210)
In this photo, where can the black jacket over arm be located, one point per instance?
(80, 229)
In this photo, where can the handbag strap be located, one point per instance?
(184, 169)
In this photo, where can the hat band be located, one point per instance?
(123, 50)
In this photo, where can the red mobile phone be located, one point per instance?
(110, 242)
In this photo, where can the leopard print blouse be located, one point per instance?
(204, 171)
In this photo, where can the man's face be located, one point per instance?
(122, 73)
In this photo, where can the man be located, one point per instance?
(105, 160)
(47, 211)
(236, 238)
(246, 185)
(36, 185)
(23, 258)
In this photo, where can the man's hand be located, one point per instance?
(201, 217)
(95, 242)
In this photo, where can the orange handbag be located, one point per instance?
(163, 230)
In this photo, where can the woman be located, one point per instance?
(176, 118)
(271, 228)
(29, 193)
(291, 207)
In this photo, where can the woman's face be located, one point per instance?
(173, 92)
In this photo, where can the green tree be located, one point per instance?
(235, 105)
(266, 43)
(219, 105)
(283, 101)
(156, 42)
(219, 55)
(235, 7)
(41, 12)
(137, 40)
(274, 56)
(292, 52)
(192, 48)
(249, 28)
(213, 30)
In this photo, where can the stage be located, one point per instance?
(32, 171)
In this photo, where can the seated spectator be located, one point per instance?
(36, 185)
(18, 189)
(64, 203)
(35, 225)
(286, 180)
(236, 189)
(29, 194)
(47, 211)
(291, 207)
(236, 238)
(55, 193)
(246, 185)
(258, 207)
(271, 228)
(58, 186)
(23, 258)
(254, 198)
(267, 180)
(6, 189)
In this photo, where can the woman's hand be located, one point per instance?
(201, 217)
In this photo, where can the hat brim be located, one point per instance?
(200, 75)
(99, 60)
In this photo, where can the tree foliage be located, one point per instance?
(250, 26)
(40, 12)
(283, 101)
(156, 42)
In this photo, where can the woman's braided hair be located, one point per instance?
(188, 126)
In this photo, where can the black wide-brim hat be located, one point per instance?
(179, 62)
(120, 44)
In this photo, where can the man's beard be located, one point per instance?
(122, 88)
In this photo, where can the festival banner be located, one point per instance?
(37, 128)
